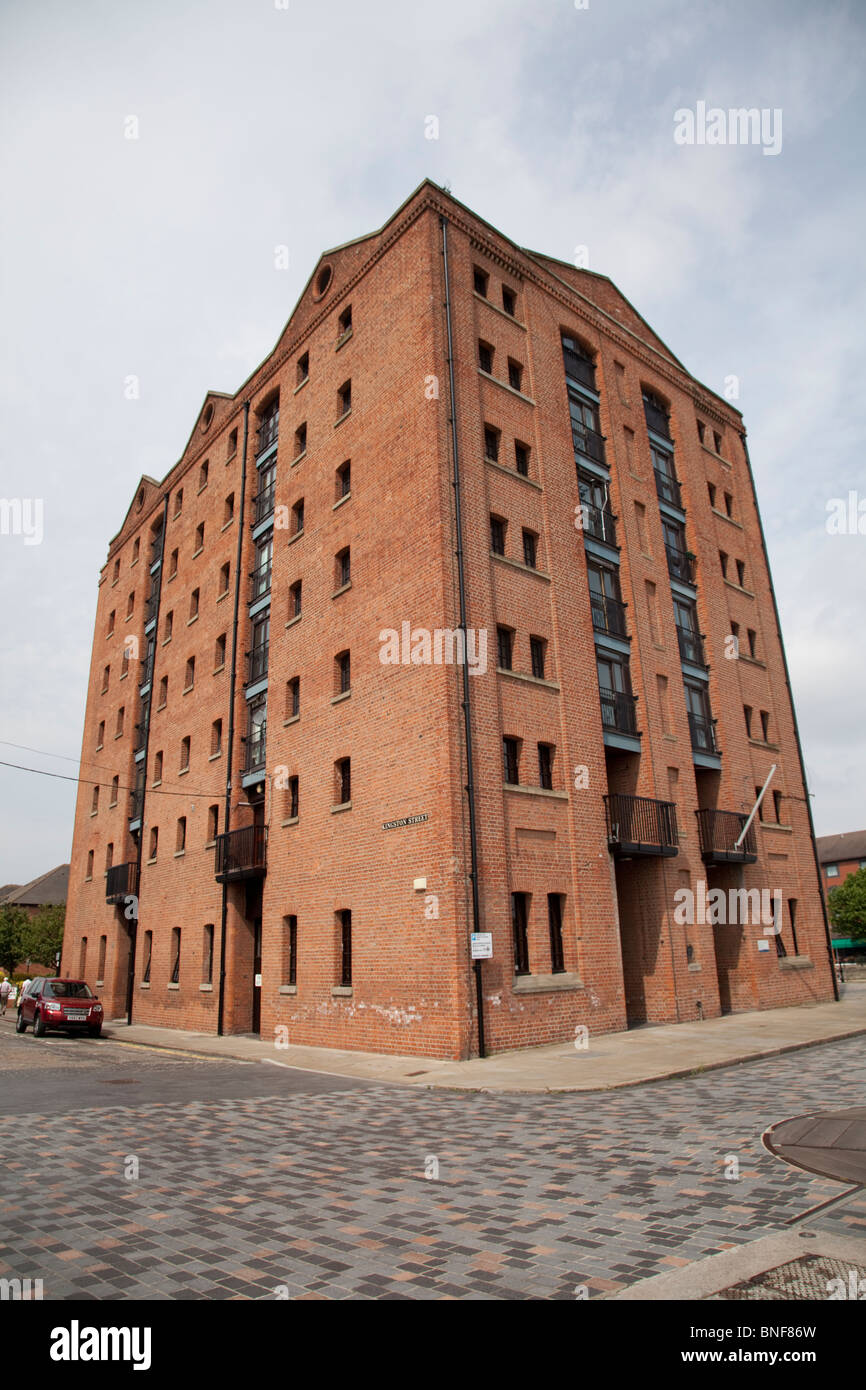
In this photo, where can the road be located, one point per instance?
(132, 1173)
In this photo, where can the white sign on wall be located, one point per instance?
(482, 945)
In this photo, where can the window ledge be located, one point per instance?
(343, 339)
(171, 985)
(209, 844)
(179, 853)
(123, 675)
(165, 641)
(99, 747)
(707, 450)
(193, 619)
(505, 387)
(157, 783)
(224, 594)
(344, 416)
(225, 526)
(519, 565)
(183, 772)
(196, 553)
(342, 991)
(151, 861)
(205, 989)
(342, 806)
(759, 743)
(344, 695)
(534, 791)
(213, 756)
(145, 984)
(513, 473)
(295, 619)
(297, 459)
(535, 984)
(171, 577)
(93, 813)
(531, 680)
(201, 489)
(775, 825)
(88, 878)
(217, 669)
(342, 589)
(292, 820)
(187, 688)
(292, 719)
(752, 661)
(159, 707)
(120, 735)
(287, 989)
(496, 309)
(725, 517)
(99, 982)
(296, 536)
(300, 386)
(795, 963)
(345, 498)
(739, 588)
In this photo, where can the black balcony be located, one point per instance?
(608, 614)
(703, 732)
(618, 713)
(579, 368)
(255, 758)
(257, 663)
(141, 728)
(681, 564)
(260, 582)
(156, 549)
(718, 832)
(599, 522)
(668, 489)
(241, 854)
(657, 419)
(146, 673)
(151, 607)
(589, 443)
(136, 803)
(121, 882)
(640, 825)
(263, 504)
(691, 645)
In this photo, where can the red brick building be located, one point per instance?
(840, 856)
(455, 618)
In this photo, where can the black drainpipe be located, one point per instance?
(794, 717)
(231, 730)
(133, 929)
(467, 709)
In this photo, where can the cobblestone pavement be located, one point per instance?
(254, 1182)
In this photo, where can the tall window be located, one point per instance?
(344, 673)
(537, 651)
(792, 917)
(344, 924)
(344, 479)
(343, 567)
(519, 915)
(344, 399)
(213, 823)
(269, 425)
(291, 948)
(216, 738)
(554, 921)
(344, 780)
(100, 959)
(293, 697)
(219, 655)
(497, 535)
(530, 548)
(185, 744)
(303, 368)
(545, 766)
(294, 803)
(181, 835)
(505, 645)
(154, 842)
(147, 956)
(521, 458)
(485, 357)
(175, 955)
(511, 761)
(207, 955)
(491, 443)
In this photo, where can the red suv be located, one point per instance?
(65, 1004)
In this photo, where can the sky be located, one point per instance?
(305, 123)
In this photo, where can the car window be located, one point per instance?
(67, 989)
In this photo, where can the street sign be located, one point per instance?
(482, 945)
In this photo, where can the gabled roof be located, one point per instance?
(835, 849)
(45, 891)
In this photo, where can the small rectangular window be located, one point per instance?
(180, 846)
(519, 915)
(480, 280)
(521, 458)
(344, 480)
(301, 440)
(207, 955)
(497, 535)
(344, 922)
(491, 443)
(344, 780)
(485, 358)
(303, 368)
(515, 375)
(545, 766)
(554, 921)
(741, 573)
(291, 949)
(530, 548)
(504, 641)
(537, 651)
(511, 761)
(509, 301)
(175, 955)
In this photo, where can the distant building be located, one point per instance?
(48, 890)
(840, 856)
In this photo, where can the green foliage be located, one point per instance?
(36, 938)
(847, 905)
(13, 923)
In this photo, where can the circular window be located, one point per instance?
(206, 417)
(323, 280)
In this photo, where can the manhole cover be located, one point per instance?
(813, 1277)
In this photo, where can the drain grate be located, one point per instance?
(814, 1277)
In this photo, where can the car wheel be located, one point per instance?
(95, 1032)
(38, 1026)
(20, 1023)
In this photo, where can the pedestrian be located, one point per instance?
(5, 991)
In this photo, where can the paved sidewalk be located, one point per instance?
(611, 1060)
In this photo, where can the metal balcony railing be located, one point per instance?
(268, 431)
(136, 803)
(263, 504)
(681, 564)
(260, 582)
(152, 604)
(691, 645)
(588, 442)
(618, 712)
(640, 825)
(156, 549)
(703, 732)
(608, 614)
(599, 522)
(579, 368)
(255, 757)
(121, 882)
(241, 853)
(257, 662)
(718, 832)
(668, 489)
(657, 419)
